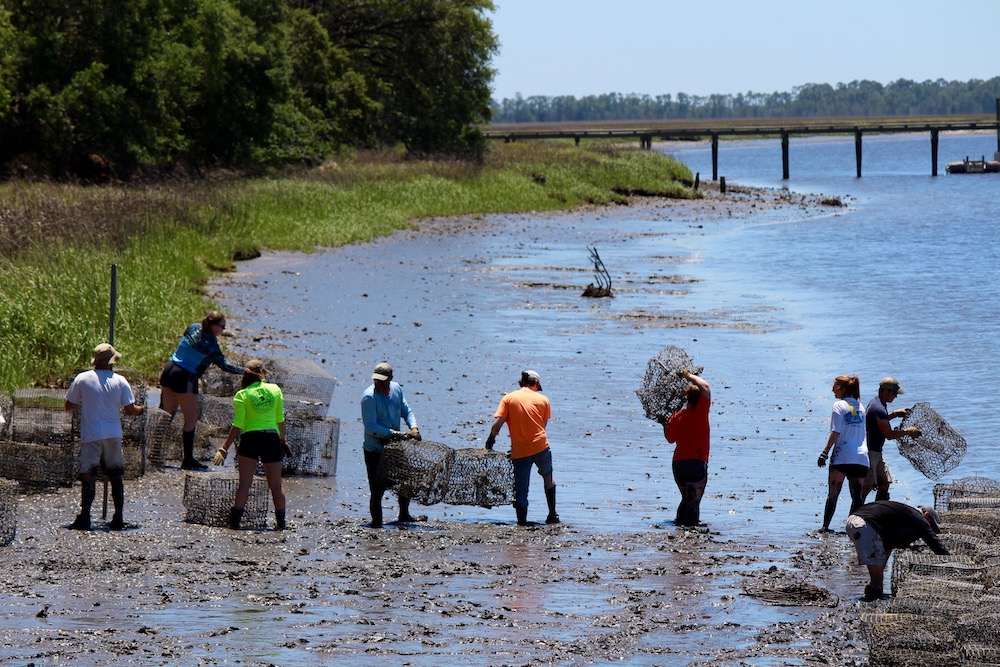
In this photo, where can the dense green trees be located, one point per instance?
(115, 86)
(858, 98)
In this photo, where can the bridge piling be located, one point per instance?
(857, 150)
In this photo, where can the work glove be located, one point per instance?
(821, 461)
(491, 440)
(399, 435)
(415, 433)
(913, 432)
(220, 456)
(285, 449)
(684, 373)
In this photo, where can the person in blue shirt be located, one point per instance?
(197, 350)
(383, 407)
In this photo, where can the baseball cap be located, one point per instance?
(891, 384)
(531, 377)
(383, 371)
(105, 355)
(931, 515)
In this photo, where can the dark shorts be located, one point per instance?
(263, 445)
(852, 470)
(178, 380)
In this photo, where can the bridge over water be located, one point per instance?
(647, 136)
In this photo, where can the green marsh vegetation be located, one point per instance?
(59, 241)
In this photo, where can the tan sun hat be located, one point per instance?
(383, 371)
(105, 355)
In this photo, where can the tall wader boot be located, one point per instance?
(118, 496)
(190, 463)
(87, 492)
(235, 516)
(279, 519)
(404, 510)
(831, 507)
(550, 498)
(522, 514)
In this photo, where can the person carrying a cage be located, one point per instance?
(527, 412)
(383, 408)
(102, 395)
(879, 429)
(689, 430)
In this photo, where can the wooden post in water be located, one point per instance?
(997, 155)
(715, 157)
(857, 150)
(934, 152)
(784, 155)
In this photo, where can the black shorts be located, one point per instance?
(263, 445)
(852, 470)
(178, 380)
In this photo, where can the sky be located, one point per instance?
(703, 47)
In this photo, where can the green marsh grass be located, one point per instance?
(58, 242)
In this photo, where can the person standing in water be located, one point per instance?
(847, 439)
(689, 430)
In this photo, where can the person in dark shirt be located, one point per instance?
(879, 527)
(879, 430)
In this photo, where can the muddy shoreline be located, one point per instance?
(615, 583)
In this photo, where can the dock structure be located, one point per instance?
(677, 132)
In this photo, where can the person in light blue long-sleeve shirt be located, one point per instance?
(383, 408)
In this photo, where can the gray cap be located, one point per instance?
(531, 377)
(890, 383)
(931, 515)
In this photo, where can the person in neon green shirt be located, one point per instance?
(259, 423)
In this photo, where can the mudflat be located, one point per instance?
(459, 306)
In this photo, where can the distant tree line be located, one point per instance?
(125, 85)
(858, 98)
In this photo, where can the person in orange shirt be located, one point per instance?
(689, 429)
(527, 412)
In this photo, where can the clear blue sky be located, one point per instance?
(701, 47)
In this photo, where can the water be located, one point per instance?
(904, 284)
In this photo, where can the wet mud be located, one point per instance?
(459, 306)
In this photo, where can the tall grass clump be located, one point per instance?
(58, 241)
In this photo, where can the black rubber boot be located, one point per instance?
(279, 519)
(404, 510)
(87, 493)
(118, 494)
(522, 514)
(550, 498)
(189, 462)
(235, 516)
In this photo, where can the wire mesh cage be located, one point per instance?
(314, 446)
(8, 511)
(39, 415)
(966, 487)
(431, 472)
(208, 497)
(939, 449)
(664, 389)
(38, 466)
(164, 437)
